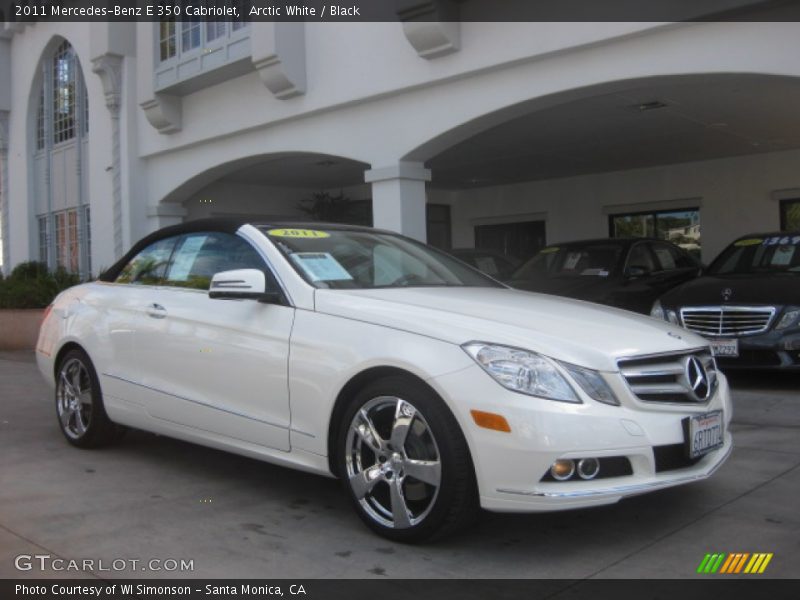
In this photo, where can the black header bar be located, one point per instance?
(332, 11)
(729, 588)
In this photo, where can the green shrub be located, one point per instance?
(31, 285)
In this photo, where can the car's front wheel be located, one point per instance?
(79, 403)
(405, 462)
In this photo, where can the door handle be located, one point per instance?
(156, 311)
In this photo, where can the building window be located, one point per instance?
(194, 34)
(681, 227)
(64, 92)
(67, 238)
(167, 38)
(438, 226)
(790, 214)
(518, 241)
(62, 118)
(190, 35)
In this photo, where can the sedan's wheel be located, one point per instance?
(405, 462)
(79, 403)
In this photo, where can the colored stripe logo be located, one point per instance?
(734, 563)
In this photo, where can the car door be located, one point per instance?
(219, 366)
(676, 265)
(640, 279)
(121, 308)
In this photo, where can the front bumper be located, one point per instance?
(510, 467)
(770, 350)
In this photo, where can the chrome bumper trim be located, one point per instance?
(625, 489)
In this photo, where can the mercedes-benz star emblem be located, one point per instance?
(697, 378)
(727, 293)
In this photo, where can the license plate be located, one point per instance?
(725, 347)
(703, 433)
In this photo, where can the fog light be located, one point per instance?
(562, 469)
(588, 468)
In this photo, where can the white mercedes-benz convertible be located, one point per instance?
(428, 388)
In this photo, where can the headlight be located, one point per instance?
(522, 371)
(788, 319)
(657, 312)
(592, 383)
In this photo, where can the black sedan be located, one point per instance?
(629, 273)
(747, 303)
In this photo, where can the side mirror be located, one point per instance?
(241, 284)
(635, 272)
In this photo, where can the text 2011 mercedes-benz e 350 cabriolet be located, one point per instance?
(428, 388)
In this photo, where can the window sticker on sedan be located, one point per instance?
(298, 233)
(749, 242)
(320, 266)
(783, 255)
(549, 250)
(572, 261)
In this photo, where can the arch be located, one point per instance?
(265, 185)
(199, 180)
(481, 122)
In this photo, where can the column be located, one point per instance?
(398, 198)
(4, 226)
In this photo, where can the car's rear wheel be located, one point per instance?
(79, 403)
(405, 462)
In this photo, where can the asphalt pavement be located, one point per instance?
(152, 498)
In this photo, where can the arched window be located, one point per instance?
(62, 125)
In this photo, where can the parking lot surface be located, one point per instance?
(149, 497)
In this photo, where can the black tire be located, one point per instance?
(80, 412)
(380, 476)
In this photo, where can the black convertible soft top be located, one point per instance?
(223, 224)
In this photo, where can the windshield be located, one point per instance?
(592, 260)
(775, 254)
(352, 259)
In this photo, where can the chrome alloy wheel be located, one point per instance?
(74, 398)
(393, 463)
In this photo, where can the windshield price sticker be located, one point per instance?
(321, 266)
(549, 250)
(298, 233)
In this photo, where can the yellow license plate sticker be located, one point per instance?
(298, 233)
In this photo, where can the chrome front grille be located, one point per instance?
(730, 321)
(671, 377)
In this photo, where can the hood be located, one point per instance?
(775, 289)
(591, 288)
(570, 330)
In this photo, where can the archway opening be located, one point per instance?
(693, 159)
(279, 186)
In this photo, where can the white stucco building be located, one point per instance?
(512, 134)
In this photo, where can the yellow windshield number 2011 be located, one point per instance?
(298, 233)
